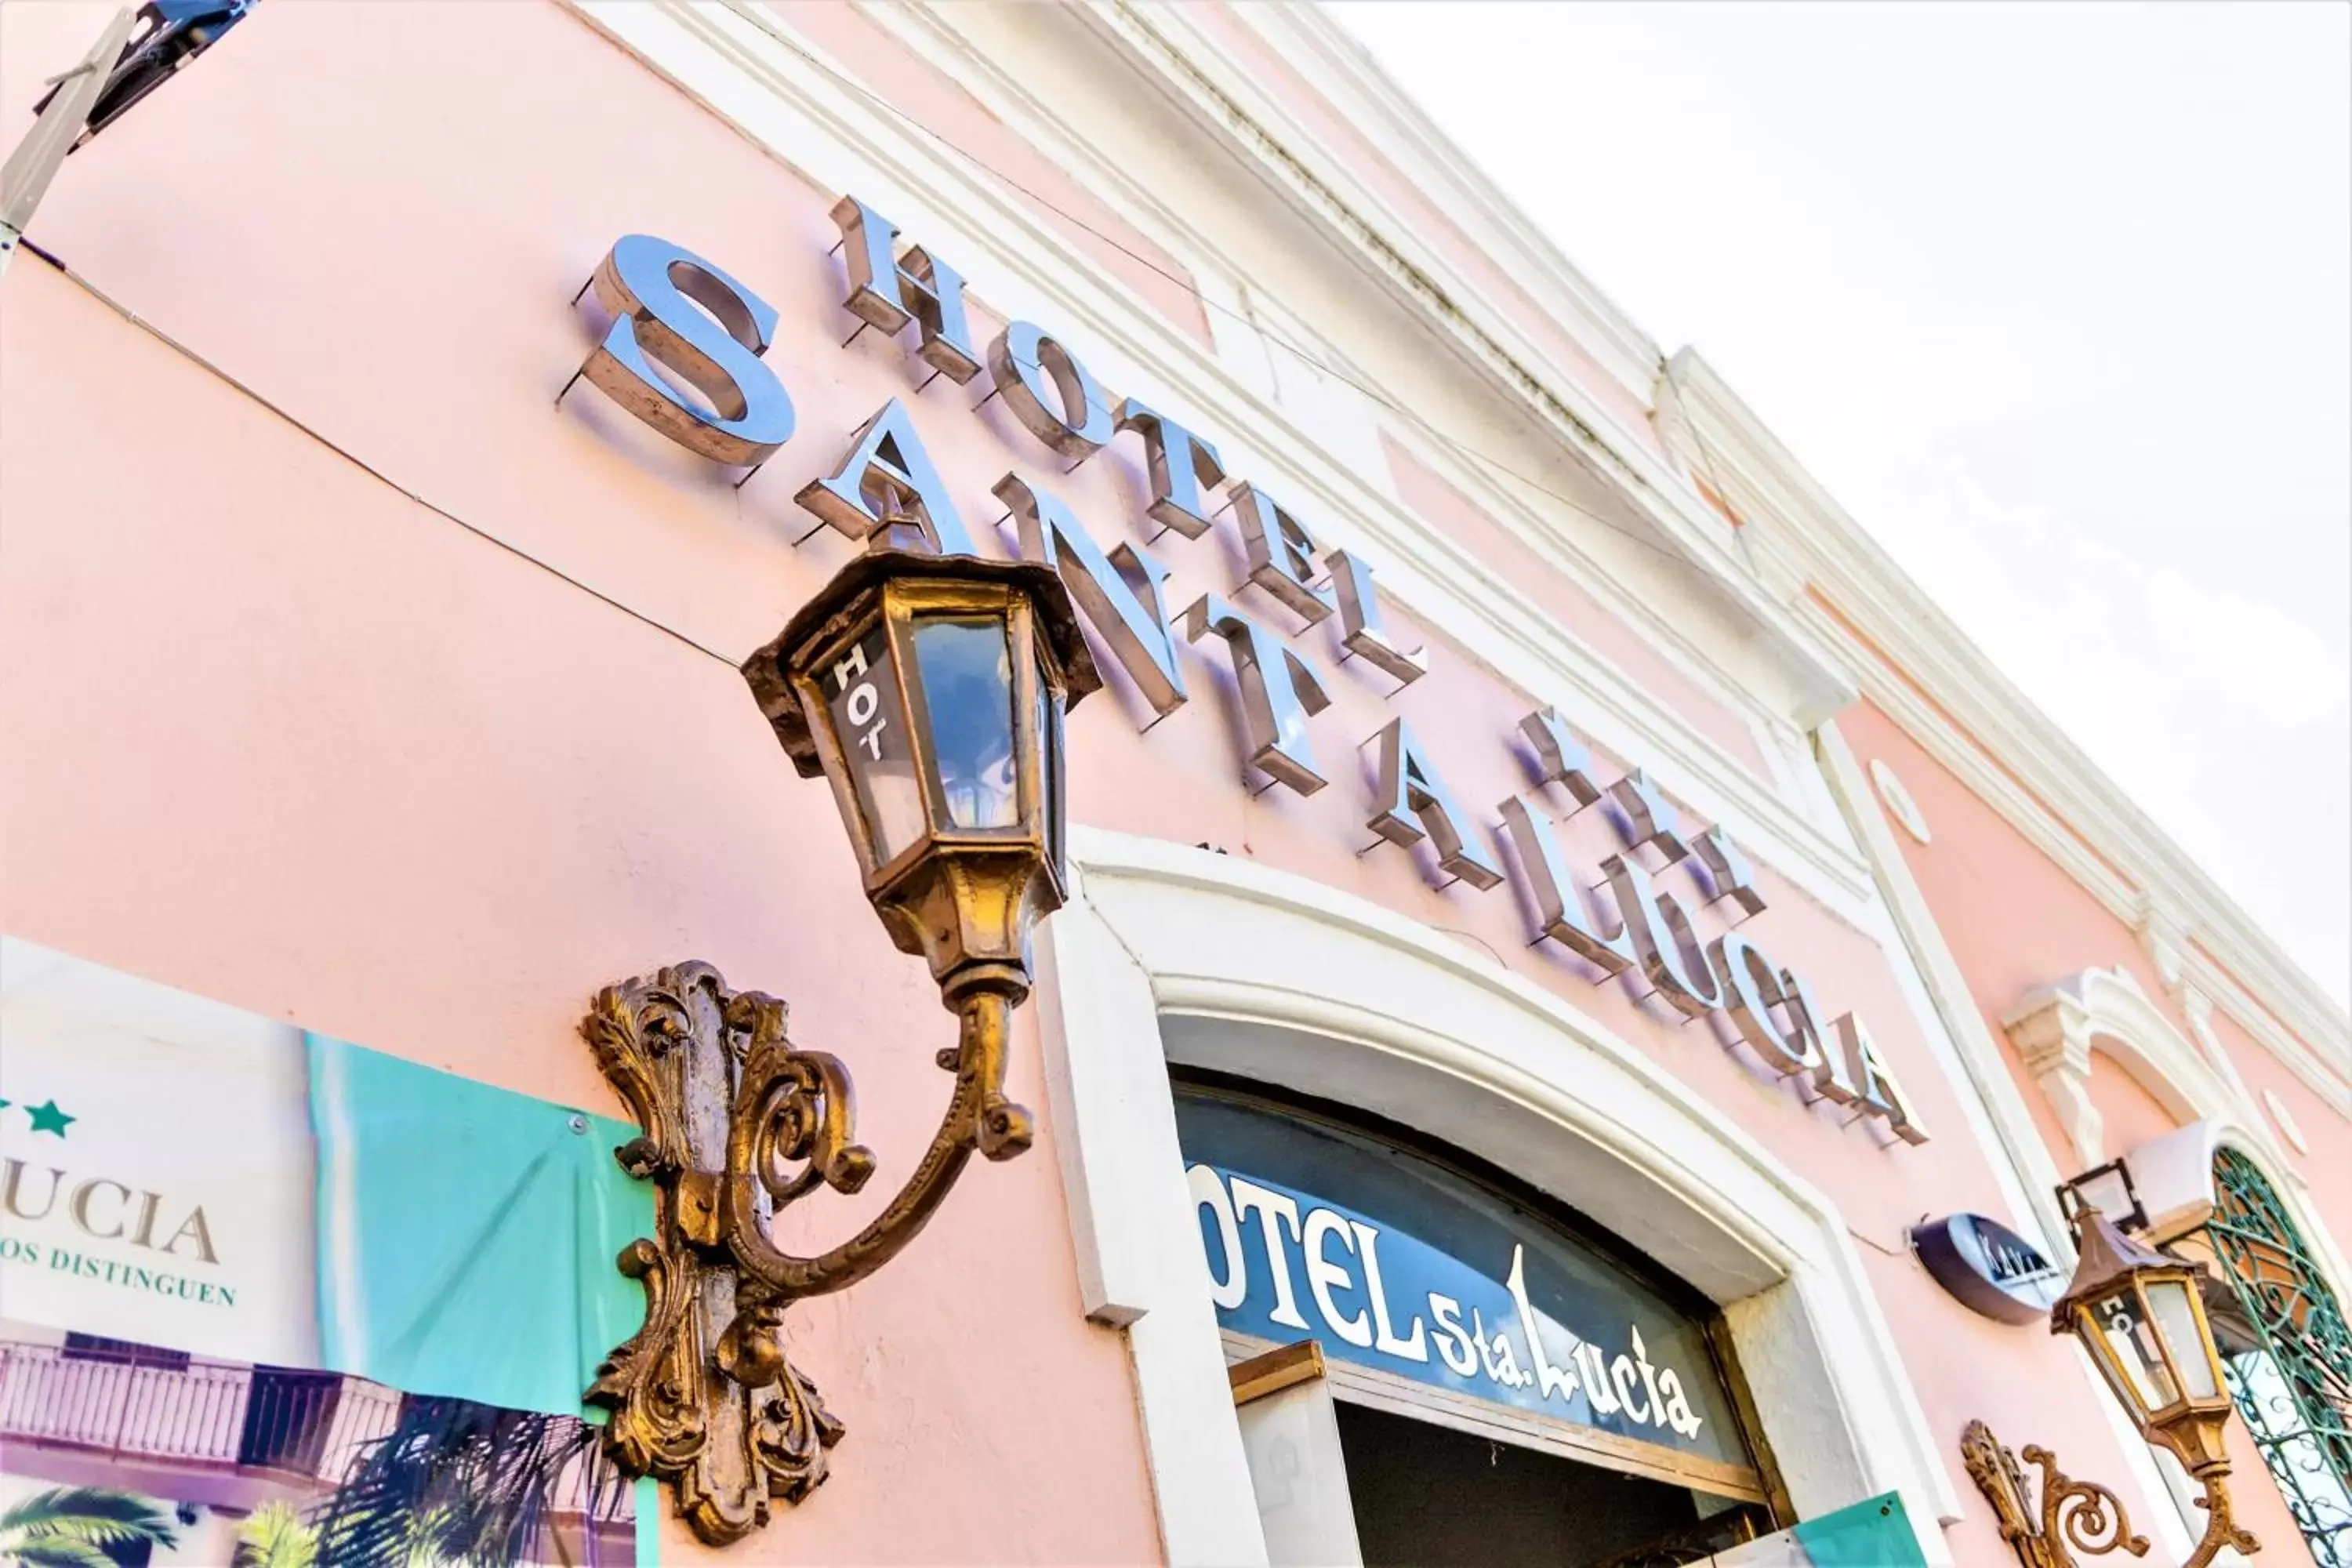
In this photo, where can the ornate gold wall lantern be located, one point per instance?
(2139, 1314)
(929, 689)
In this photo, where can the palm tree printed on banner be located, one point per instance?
(460, 1482)
(72, 1527)
(276, 1537)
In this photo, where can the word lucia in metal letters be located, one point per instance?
(672, 308)
(1541, 1365)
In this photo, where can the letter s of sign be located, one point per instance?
(1454, 1344)
(671, 308)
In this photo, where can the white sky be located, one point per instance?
(2056, 299)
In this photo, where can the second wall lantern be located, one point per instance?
(2139, 1314)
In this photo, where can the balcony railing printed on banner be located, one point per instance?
(314, 1424)
(313, 1431)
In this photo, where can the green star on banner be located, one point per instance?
(47, 1118)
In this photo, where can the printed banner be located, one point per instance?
(267, 1292)
(1874, 1533)
(155, 1165)
(467, 1234)
(144, 1455)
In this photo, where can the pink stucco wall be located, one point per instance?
(2012, 918)
(1542, 579)
(277, 733)
(422, 756)
(2015, 919)
(2325, 1168)
(305, 746)
(2130, 1116)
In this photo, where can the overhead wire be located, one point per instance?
(248, 390)
(857, 89)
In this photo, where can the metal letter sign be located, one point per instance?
(680, 321)
(1988, 1267)
(672, 307)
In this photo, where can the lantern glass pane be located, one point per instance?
(967, 675)
(2126, 1393)
(861, 692)
(2176, 1319)
(1049, 741)
(2132, 1346)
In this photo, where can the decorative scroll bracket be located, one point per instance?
(737, 1123)
(2073, 1516)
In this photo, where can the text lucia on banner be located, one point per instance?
(699, 324)
(100, 1209)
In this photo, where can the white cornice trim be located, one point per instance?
(936, 31)
(1197, 79)
(939, 34)
(2017, 1142)
(784, 92)
(1942, 689)
(2065, 1019)
(1387, 117)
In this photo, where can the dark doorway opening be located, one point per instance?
(1429, 1497)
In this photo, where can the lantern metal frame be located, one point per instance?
(896, 586)
(739, 1123)
(2076, 1196)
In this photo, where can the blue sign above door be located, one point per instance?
(1395, 1262)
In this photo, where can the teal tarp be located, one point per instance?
(467, 1234)
(1874, 1533)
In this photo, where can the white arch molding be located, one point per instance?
(2057, 1029)
(1354, 1002)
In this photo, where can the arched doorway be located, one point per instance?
(1167, 959)
(1513, 1386)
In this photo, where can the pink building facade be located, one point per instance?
(1509, 772)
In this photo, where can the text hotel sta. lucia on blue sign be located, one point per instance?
(1396, 1263)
